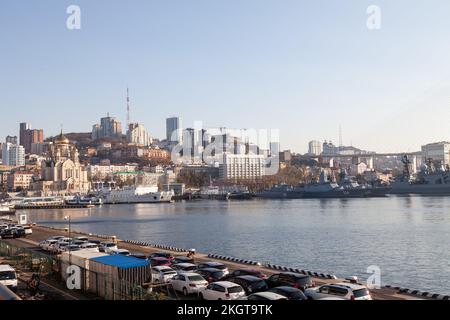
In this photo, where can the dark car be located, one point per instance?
(20, 232)
(138, 255)
(8, 233)
(251, 284)
(290, 279)
(213, 264)
(211, 274)
(246, 272)
(95, 241)
(159, 261)
(289, 292)
(182, 259)
(162, 255)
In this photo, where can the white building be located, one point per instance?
(439, 152)
(13, 155)
(137, 134)
(109, 127)
(101, 172)
(315, 148)
(174, 129)
(239, 166)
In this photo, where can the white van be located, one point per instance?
(8, 276)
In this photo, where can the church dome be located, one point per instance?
(62, 139)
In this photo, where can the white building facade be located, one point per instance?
(13, 155)
(137, 134)
(438, 152)
(315, 148)
(242, 167)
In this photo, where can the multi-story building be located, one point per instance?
(158, 154)
(13, 155)
(315, 148)
(40, 148)
(20, 180)
(11, 139)
(137, 134)
(103, 171)
(109, 127)
(242, 167)
(438, 152)
(29, 136)
(174, 129)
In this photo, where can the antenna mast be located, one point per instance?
(128, 107)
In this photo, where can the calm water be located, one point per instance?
(407, 238)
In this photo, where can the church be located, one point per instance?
(61, 173)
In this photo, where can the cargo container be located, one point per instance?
(117, 277)
(80, 258)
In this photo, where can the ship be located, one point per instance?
(136, 194)
(214, 193)
(325, 188)
(238, 192)
(6, 208)
(430, 180)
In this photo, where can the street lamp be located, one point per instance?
(68, 218)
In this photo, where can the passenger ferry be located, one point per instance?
(38, 202)
(136, 194)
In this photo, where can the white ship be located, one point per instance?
(136, 194)
(6, 208)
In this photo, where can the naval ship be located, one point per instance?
(429, 181)
(325, 189)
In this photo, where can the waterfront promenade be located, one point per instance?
(41, 233)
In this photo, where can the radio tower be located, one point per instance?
(128, 108)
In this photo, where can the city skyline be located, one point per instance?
(305, 71)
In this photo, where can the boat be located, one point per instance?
(214, 193)
(281, 191)
(430, 180)
(136, 194)
(7, 208)
(238, 192)
(38, 202)
(84, 200)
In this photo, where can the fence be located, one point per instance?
(27, 260)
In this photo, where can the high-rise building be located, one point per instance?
(11, 139)
(137, 134)
(242, 167)
(13, 155)
(109, 127)
(315, 148)
(28, 136)
(438, 152)
(174, 129)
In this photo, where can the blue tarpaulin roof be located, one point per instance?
(120, 261)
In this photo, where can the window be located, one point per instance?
(324, 289)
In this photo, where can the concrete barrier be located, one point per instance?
(226, 258)
(306, 272)
(418, 293)
(159, 246)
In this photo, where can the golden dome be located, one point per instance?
(62, 139)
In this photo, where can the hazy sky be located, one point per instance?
(304, 67)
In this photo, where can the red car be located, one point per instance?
(160, 261)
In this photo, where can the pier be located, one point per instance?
(41, 233)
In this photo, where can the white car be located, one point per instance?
(162, 274)
(266, 295)
(46, 245)
(343, 290)
(222, 290)
(82, 238)
(8, 276)
(184, 267)
(108, 247)
(90, 247)
(123, 252)
(188, 283)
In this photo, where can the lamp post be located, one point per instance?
(68, 218)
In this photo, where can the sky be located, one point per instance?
(302, 67)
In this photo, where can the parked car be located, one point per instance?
(78, 242)
(251, 284)
(188, 283)
(59, 247)
(245, 272)
(9, 233)
(162, 274)
(28, 230)
(222, 290)
(138, 255)
(266, 296)
(182, 259)
(166, 255)
(82, 238)
(123, 252)
(56, 238)
(90, 246)
(289, 292)
(159, 261)
(290, 279)
(344, 290)
(69, 247)
(97, 242)
(212, 274)
(47, 244)
(107, 247)
(8, 276)
(184, 267)
(215, 265)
